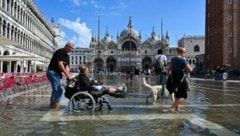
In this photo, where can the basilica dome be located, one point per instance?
(126, 31)
(107, 39)
(154, 39)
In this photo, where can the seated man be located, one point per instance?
(97, 91)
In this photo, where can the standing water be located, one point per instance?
(212, 108)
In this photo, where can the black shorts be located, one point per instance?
(181, 92)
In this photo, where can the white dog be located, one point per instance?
(156, 91)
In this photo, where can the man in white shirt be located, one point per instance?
(160, 75)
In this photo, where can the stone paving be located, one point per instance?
(212, 108)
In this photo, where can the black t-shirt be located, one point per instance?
(59, 55)
(84, 82)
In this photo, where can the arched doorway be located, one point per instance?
(146, 63)
(111, 64)
(98, 65)
(5, 63)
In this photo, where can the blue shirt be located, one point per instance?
(178, 64)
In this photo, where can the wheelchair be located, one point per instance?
(82, 100)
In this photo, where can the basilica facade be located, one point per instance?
(129, 51)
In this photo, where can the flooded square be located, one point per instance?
(212, 109)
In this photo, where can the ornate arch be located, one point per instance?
(98, 64)
(146, 63)
(129, 45)
(111, 64)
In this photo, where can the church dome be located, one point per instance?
(129, 30)
(107, 39)
(126, 31)
(154, 39)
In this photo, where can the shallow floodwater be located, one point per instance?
(212, 108)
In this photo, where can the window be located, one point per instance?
(229, 17)
(229, 1)
(229, 50)
(229, 34)
(196, 48)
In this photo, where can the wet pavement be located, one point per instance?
(212, 109)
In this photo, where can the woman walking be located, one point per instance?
(178, 68)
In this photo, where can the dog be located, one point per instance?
(156, 91)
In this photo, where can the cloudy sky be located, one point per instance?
(79, 18)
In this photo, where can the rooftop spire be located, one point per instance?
(130, 22)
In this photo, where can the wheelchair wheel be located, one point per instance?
(81, 101)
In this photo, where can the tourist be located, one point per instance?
(96, 89)
(59, 66)
(178, 68)
(160, 71)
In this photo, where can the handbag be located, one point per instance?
(170, 86)
(71, 87)
(185, 82)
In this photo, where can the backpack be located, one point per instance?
(158, 66)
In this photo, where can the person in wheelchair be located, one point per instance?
(95, 87)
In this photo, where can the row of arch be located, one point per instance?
(111, 64)
(31, 22)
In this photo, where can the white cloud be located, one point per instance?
(96, 5)
(85, 3)
(77, 2)
(81, 34)
(118, 6)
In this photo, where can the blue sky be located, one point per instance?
(79, 18)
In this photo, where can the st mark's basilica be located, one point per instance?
(130, 51)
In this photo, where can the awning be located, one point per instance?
(38, 63)
(6, 41)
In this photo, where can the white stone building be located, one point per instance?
(195, 46)
(27, 40)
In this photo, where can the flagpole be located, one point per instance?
(130, 26)
(98, 34)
